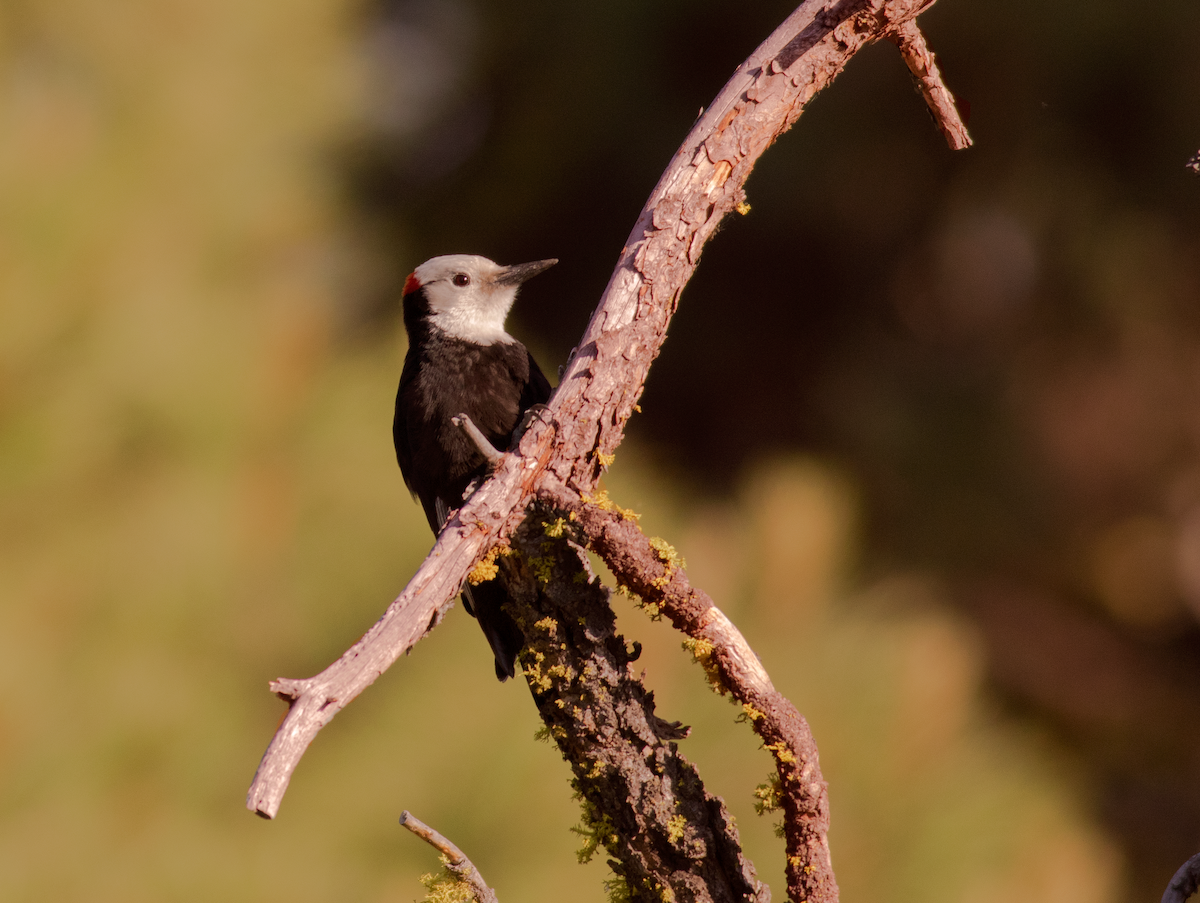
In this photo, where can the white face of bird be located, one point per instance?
(470, 296)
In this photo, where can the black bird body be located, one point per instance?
(461, 361)
(445, 376)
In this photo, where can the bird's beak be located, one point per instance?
(518, 273)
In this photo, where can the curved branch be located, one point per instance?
(666, 836)
(705, 182)
(603, 381)
(456, 860)
(492, 511)
(733, 667)
(1184, 883)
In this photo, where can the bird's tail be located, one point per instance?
(486, 602)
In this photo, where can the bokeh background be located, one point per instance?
(926, 427)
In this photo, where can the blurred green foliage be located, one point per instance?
(197, 490)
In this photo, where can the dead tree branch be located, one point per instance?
(584, 423)
(456, 860)
(920, 61)
(643, 802)
(1184, 883)
(649, 570)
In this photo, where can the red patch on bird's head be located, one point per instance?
(411, 284)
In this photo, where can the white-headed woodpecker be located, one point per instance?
(461, 361)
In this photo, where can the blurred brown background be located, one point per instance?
(926, 427)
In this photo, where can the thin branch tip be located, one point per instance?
(910, 41)
(456, 860)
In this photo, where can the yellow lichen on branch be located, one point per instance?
(487, 569)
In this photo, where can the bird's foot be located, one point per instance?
(533, 412)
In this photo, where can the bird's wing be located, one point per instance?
(400, 438)
(537, 388)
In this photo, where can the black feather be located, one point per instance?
(494, 385)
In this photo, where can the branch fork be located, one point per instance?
(598, 392)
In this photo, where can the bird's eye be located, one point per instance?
(461, 279)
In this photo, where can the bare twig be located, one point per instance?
(1185, 882)
(603, 381)
(456, 860)
(733, 667)
(490, 453)
(920, 61)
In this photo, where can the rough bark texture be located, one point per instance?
(642, 800)
(649, 570)
(921, 63)
(569, 447)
